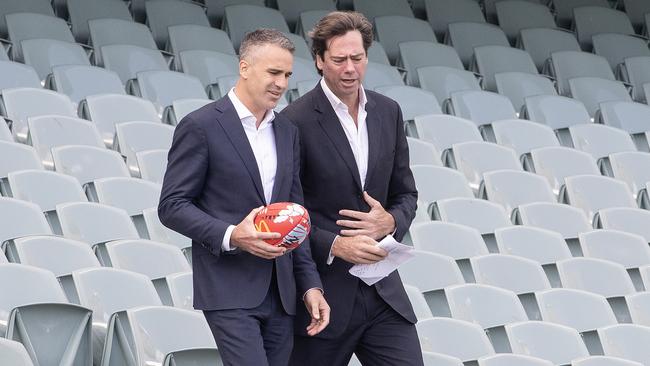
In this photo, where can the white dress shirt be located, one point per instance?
(357, 134)
(262, 141)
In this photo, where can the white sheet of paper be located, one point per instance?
(397, 254)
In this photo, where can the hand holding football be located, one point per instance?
(291, 220)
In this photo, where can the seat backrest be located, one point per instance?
(564, 219)
(482, 107)
(108, 31)
(80, 81)
(59, 255)
(162, 14)
(86, 221)
(599, 276)
(556, 343)
(510, 20)
(45, 188)
(153, 259)
(444, 130)
(22, 26)
(456, 241)
(523, 136)
(88, 163)
(485, 305)
(128, 60)
(628, 249)
(540, 43)
(512, 188)
(600, 140)
(591, 20)
(413, 101)
(510, 272)
(82, 11)
(441, 13)
(391, 30)
(241, 19)
(457, 338)
(21, 218)
(482, 215)
(464, 36)
(541, 245)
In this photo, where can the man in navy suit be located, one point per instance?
(227, 160)
(358, 189)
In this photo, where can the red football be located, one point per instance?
(291, 220)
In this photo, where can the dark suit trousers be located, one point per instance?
(376, 333)
(262, 336)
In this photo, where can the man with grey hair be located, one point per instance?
(227, 160)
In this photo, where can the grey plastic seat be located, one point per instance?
(518, 274)
(107, 110)
(158, 232)
(441, 13)
(79, 81)
(46, 132)
(523, 136)
(567, 220)
(209, 66)
(593, 91)
(434, 358)
(130, 194)
(485, 305)
(153, 259)
(430, 273)
(291, 9)
(419, 303)
(442, 81)
(453, 337)
(635, 10)
(638, 306)
(511, 188)
(422, 153)
(636, 72)
(225, 83)
(17, 75)
(375, 53)
(566, 65)
(82, 11)
(465, 36)
(162, 14)
(517, 86)
(418, 54)
(5, 133)
(187, 37)
(413, 101)
(376, 8)
(628, 116)
(599, 140)
(128, 60)
(110, 31)
(556, 343)
(555, 111)
(491, 60)
(591, 20)
(43, 54)
(302, 50)
(585, 192)
(110, 290)
(631, 220)
(435, 183)
(490, 9)
(14, 353)
(21, 103)
(21, 218)
(391, 30)
(603, 361)
(88, 163)
(182, 107)
(306, 21)
(378, 75)
(443, 130)
(215, 8)
(241, 19)
(22, 157)
(626, 341)
(21, 27)
(180, 290)
(54, 330)
(617, 47)
(474, 158)
(541, 245)
(558, 162)
(20, 6)
(164, 87)
(133, 137)
(508, 359)
(152, 164)
(540, 43)
(564, 9)
(155, 340)
(482, 107)
(86, 222)
(508, 14)
(599, 276)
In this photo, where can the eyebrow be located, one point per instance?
(272, 70)
(346, 56)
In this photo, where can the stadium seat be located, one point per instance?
(5, 133)
(17, 75)
(591, 20)
(510, 19)
(378, 75)
(441, 13)
(465, 36)
(453, 337)
(110, 31)
(22, 157)
(517, 86)
(558, 162)
(413, 101)
(631, 220)
(630, 167)
(158, 232)
(490, 9)
(442, 81)
(188, 37)
(162, 14)
(376, 8)
(180, 108)
(417, 54)
(241, 19)
(215, 8)
(306, 22)
(21, 26)
(475, 158)
(422, 153)
(79, 81)
(302, 50)
(133, 137)
(635, 9)
(555, 111)
(164, 87)
(130, 194)
(511, 188)
(637, 304)
(617, 47)
(82, 11)
(523, 136)
(128, 60)
(21, 218)
(556, 343)
(391, 30)
(435, 183)
(376, 53)
(180, 290)
(567, 65)
(110, 290)
(43, 54)
(443, 130)
(626, 341)
(457, 241)
(518, 274)
(482, 107)
(88, 163)
(291, 9)
(593, 91)
(540, 43)
(603, 361)
(23, 6)
(586, 192)
(14, 353)
(419, 303)
(564, 9)
(628, 116)
(567, 220)
(509, 359)
(107, 110)
(636, 72)
(599, 140)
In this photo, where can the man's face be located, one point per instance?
(344, 64)
(267, 72)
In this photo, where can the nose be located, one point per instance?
(349, 65)
(281, 82)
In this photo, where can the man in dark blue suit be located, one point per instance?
(227, 160)
(358, 188)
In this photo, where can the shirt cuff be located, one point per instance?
(330, 257)
(317, 288)
(225, 243)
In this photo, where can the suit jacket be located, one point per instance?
(211, 182)
(331, 182)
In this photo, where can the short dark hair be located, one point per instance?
(338, 23)
(264, 36)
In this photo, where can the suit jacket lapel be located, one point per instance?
(284, 148)
(373, 124)
(231, 123)
(330, 123)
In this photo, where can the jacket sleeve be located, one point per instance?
(187, 166)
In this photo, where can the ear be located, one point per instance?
(244, 68)
(319, 62)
